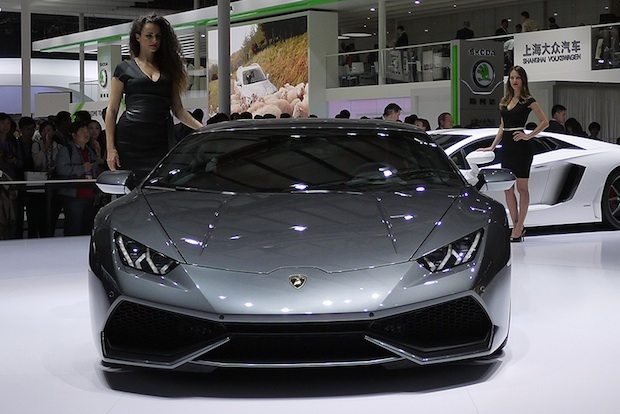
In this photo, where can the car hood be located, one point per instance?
(260, 233)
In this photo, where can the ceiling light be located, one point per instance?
(417, 2)
(372, 9)
(357, 34)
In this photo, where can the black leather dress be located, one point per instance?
(144, 129)
(517, 156)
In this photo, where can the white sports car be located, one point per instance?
(573, 179)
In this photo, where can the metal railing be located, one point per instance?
(606, 46)
(418, 63)
(47, 189)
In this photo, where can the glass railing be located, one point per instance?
(419, 63)
(39, 206)
(606, 46)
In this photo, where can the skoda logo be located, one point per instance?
(103, 78)
(297, 280)
(483, 74)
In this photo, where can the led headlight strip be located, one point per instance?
(453, 254)
(141, 257)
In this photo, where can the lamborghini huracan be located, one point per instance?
(300, 243)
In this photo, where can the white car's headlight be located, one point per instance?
(141, 257)
(453, 254)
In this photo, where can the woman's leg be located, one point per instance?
(524, 203)
(511, 202)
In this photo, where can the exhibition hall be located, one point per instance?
(272, 206)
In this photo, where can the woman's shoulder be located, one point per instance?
(121, 69)
(528, 100)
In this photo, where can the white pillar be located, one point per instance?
(26, 47)
(107, 58)
(223, 57)
(382, 34)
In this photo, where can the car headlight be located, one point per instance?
(453, 254)
(141, 257)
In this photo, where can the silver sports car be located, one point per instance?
(300, 243)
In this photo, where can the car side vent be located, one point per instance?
(571, 183)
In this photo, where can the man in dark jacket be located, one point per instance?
(465, 32)
(558, 117)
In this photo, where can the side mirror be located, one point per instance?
(475, 159)
(480, 157)
(116, 182)
(495, 179)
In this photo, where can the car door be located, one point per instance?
(539, 172)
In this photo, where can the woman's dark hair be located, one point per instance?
(168, 57)
(44, 124)
(510, 93)
(573, 127)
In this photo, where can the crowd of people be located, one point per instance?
(58, 147)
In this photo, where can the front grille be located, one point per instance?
(296, 349)
(142, 332)
(135, 330)
(457, 323)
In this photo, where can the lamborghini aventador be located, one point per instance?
(572, 180)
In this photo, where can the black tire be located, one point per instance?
(610, 201)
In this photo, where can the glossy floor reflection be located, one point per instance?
(561, 357)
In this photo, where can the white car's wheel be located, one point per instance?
(610, 203)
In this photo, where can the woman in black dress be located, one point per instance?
(517, 155)
(152, 82)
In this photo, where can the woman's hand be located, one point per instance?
(486, 149)
(520, 136)
(113, 161)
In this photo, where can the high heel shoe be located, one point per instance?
(518, 239)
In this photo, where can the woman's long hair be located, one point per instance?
(168, 57)
(509, 92)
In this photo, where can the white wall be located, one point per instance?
(47, 75)
(425, 99)
(46, 72)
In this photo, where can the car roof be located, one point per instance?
(314, 123)
(586, 143)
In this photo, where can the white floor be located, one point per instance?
(562, 357)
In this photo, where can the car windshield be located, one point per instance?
(304, 159)
(445, 141)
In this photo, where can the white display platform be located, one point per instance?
(561, 356)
